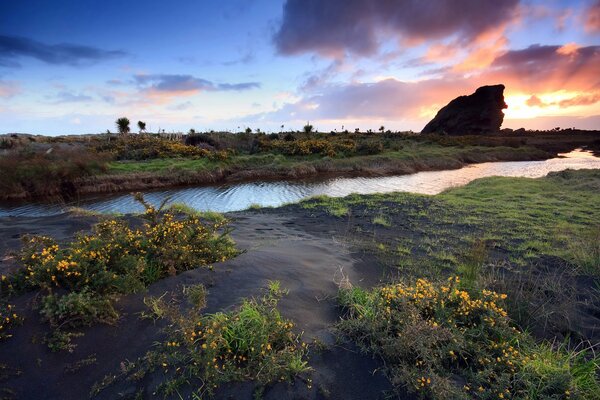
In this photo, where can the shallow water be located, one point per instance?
(237, 197)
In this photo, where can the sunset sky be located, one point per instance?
(75, 66)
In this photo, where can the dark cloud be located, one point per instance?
(548, 68)
(335, 27)
(13, 48)
(164, 83)
(592, 21)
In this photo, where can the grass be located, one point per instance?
(533, 239)
(443, 342)
(554, 216)
(382, 221)
(251, 343)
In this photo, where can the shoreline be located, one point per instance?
(365, 166)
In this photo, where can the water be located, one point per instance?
(237, 197)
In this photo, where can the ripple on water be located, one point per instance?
(237, 197)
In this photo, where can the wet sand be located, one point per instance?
(276, 247)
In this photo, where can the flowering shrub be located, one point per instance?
(310, 146)
(444, 342)
(253, 342)
(79, 280)
(144, 147)
(8, 319)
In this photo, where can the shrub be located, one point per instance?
(8, 319)
(78, 281)
(77, 309)
(446, 343)
(253, 342)
(146, 147)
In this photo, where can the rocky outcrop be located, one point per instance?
(479, 113)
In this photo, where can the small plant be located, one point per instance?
(382, 220)
(196, 295)
(8, 319)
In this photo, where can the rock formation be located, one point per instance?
(479, 113)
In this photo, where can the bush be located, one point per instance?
(253, 342)
(78, 281)
(8, 319)
(446, 343)
(144, 147)
(77, 309)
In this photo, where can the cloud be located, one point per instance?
(540, 68)
(585, 99)
(8, 89)
(389, 99)
(186, 84)
(592, 21)
(13, 48)
(559, 76)
(68, 97)
(535, 101)
(337, 27)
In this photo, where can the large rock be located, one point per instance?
(479, 113)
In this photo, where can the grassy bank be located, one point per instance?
(496, 291)
(99, 163)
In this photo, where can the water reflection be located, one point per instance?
(241, 196)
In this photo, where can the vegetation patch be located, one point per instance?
(8, 320)
(445, 342)
(78, 282)
(251, 343)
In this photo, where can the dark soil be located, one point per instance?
(277, 249)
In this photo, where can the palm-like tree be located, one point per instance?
(308, 128)
(123, 125)
(142, 126)
(381, 128)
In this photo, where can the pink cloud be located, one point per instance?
(9, 89)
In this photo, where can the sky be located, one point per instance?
(74, 67)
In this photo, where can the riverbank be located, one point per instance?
(532, 239)
(77, 168)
